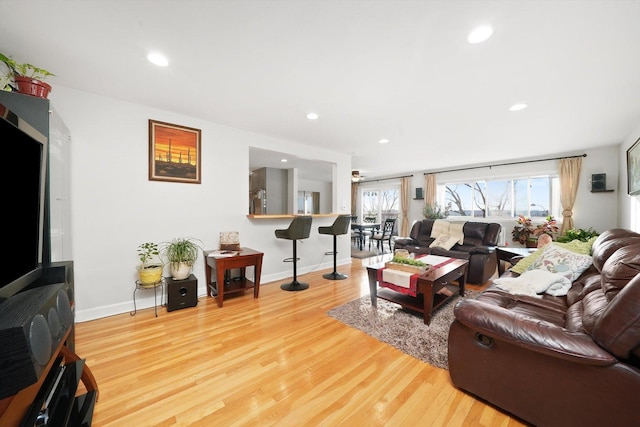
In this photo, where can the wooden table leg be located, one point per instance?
(256, 276)
(427, 307)
(220, 282)
(373, 286)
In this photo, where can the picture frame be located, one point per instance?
(174, 153)
(633, 169)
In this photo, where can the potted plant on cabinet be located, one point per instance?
(26, 78)
(150, 268)
(181, 254)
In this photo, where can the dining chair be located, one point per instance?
(384, 235)
(366, 234)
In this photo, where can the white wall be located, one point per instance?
(629, 213)
(115, 207)
(597, 210)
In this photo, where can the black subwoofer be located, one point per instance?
(182, 293)
(32, 325)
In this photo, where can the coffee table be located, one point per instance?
(433, 288)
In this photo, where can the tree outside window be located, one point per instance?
(529, 196)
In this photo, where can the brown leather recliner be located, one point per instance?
(558, 361)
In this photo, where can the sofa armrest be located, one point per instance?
(480, 250)
(539, 336)
(401, 243)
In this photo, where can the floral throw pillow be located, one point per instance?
(444, 241)
(559, 260)
(576, 246)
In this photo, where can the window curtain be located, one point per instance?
(405, 185)
(430, 189)
(354, 198)
(569, 180)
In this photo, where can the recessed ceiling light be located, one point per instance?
(480, 34)
(283, 160)
(517, 107)
(383, 141)
(312, 116)
(158, 59)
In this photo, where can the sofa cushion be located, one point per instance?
(559, 260)
(618, 328)
(622, 266)
(475, 232)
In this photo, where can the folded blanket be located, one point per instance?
(534, 283)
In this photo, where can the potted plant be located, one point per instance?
(150, 268)
(181, 254)
(523, 230)
(26, 78)
(578, 234)
(547, 227)
(433, 212)
(527, 234)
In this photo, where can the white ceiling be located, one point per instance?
(400, 70)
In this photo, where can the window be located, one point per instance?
(535, 197)
(381, 203)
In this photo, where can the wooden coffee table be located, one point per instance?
(434, 288)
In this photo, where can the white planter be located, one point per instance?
(180, 271)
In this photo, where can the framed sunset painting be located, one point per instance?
(174, 153)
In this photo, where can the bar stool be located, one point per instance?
(340, 226)
(299, 229)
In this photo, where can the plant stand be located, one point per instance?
(153, 286)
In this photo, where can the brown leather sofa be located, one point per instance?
(569, 360)
(479, 240)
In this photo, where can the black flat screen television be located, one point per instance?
(23, 176)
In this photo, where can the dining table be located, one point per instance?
(361, 227)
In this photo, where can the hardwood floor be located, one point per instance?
(277, 360)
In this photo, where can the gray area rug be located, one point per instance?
(402, 329)
(356, 253)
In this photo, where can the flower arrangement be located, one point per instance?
(525, 230)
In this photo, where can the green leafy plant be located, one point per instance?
(16, 69)
(184, 249)
(434, 212)
(146, 252)
(408, 261)
(525, 230)
(577, 234)
(25, 69)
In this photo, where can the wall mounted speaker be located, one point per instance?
(182, 293)
(598, 182)
(32, 325)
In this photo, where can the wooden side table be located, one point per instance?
(246, 257)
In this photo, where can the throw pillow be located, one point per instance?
(559, 260)
(576, 246)
(443, 241)
(524, 264)
(579, 246)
